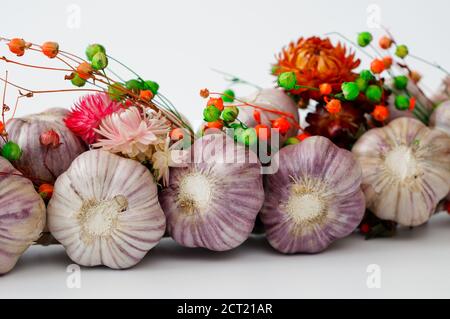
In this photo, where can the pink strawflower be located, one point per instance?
(87, 114)
(130, 133)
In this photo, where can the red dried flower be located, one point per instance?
(87, 114)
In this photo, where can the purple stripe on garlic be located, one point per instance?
(105, 211)
(38, 162)
(406, 170)
(214, 200)
(22, 215)
(314, 198)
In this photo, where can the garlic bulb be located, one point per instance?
(105, 211)
(272, 99)
(22, 215)
(406, 170)
(440, 118)
(40, 162)
(314, 198)
(213, 202)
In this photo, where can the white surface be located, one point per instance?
(416, 263)
(176, 43)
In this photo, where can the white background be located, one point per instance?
(176, 43)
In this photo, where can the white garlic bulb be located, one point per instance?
(406, 170)
(105, 211)
(213, 201)
(22, 215)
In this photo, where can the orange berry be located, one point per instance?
(380, 113)
(217, 125)
(262, 131)
(50, 49)
(17, 46)
(385, 42)
(387, 60)
(282, 124)
(176, 134)
(204, 93)
(146, 95)
(377, 66)
(46, 189)
(2, 127)
(412, 103)
(303, 136)
(217, 102)
(334, 106)
(325, 89)
(415, 76)
(257, 116)
(84, 70)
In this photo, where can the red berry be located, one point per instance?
(380, 113)
(257, 116)
(377, 66)
(262, 131)
(282, 124)
(365, 228)
(217, 102)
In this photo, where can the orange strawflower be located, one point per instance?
(315, 61)
(333, 106)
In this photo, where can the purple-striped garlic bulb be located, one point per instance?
(105, 211)
(314, 198)
(214, 200)
(406, 170)
(440, 118)
(274, 99)
(40, 162)
(22, 215)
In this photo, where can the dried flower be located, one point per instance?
(131, 133)
(166, 156)
(204, 93)
(87, 114)
(315, 61)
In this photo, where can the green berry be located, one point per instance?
(230, 113)
(11, 151)
(401, 82)
(366, 75)
(93, 49)
(77, 80)
(134, 85)
(116, 91)
(291, 141)
(364, 39)
(374, 93)
(401, 51)
(211, 113)
(152, 86)
(228, 96)
(99, 61)
(287, 80)
(401, 102)
(248, 136)
(361, 83)
(350, 90)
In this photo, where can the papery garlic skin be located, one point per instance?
(39, 162)
(214, 200)
(22, 215)
(406, 170)
(274, 99)
(440, 118)
(105, 211)
(314, 198)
